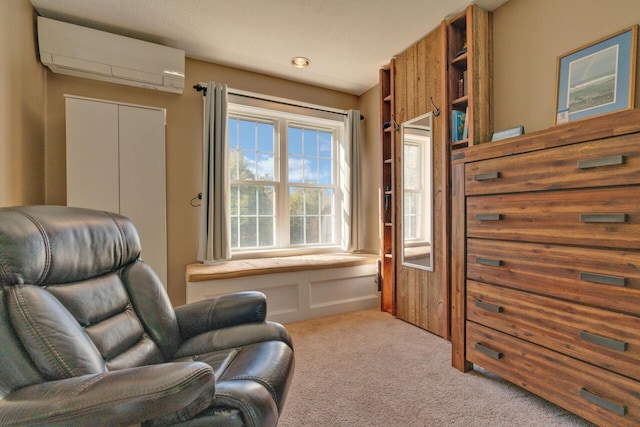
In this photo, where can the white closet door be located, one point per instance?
(92, 155)
(143, 182)
(116, 163)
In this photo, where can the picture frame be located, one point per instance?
(598, 78)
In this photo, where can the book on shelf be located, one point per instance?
(465, 128)
(465, 86)
(457, 125)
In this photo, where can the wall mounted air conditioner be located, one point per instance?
(85, 52)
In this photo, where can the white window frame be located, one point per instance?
(283, 120)
(424, 206)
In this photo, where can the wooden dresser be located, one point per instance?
(546, 264)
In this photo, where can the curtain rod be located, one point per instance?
(202, 87)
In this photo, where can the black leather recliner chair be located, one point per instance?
(88, 335)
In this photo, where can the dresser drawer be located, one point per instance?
(595, 394)
(608, 162)
(605, 338)
(605, 217)
(599, 277)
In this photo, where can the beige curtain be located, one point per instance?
(215, 226)
(355, 235)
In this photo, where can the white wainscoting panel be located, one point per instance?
(301, 295)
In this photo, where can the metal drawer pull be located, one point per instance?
(603, 217)
(603, 403)
(602, 161)
(489, 217)
(489, 307)
(603, 341)
(490, 262)
(491, 353)
(603, 279)
(486, 176)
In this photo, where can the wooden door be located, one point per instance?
(422, 297)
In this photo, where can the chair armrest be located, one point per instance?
(123, 397)
(224, 311)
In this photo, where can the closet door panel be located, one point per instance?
(92, 155)
(143, 184)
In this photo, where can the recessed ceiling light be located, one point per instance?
(300, 62)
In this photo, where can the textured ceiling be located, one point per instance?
(347, 41)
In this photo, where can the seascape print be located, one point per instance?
(592, 80)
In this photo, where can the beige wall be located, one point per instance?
(528, 37)
(22, 113)
(183, 142)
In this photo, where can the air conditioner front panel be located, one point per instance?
(135, 75)
(81, 65)
(85, 52)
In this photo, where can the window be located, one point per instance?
(417, 201)
(412, 186)
(285, 191)
(252, 155)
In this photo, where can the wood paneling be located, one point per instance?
(480, 68)
(458, 270)
(422, 297)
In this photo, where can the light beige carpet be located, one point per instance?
(367, 368)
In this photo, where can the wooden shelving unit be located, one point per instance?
(468, 61)
(387, 121)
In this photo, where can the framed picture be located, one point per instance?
(598, 78)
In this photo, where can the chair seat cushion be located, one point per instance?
(252, 376)
(233, 337)
(218, 360)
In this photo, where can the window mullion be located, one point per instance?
(338, 197)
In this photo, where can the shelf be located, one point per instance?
(387, 98)
(460, 61)
(463, 143)
(460, 102)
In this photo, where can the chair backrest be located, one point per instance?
(76, 298)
